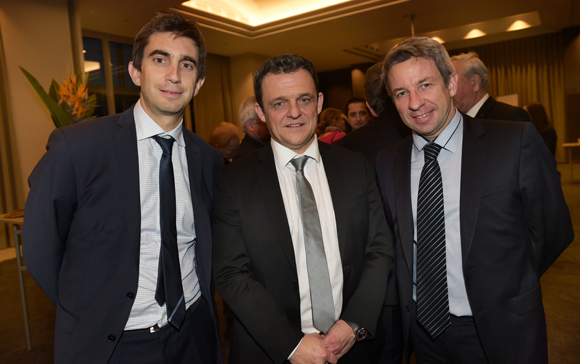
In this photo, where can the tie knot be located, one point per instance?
(431, 151)
(299, 163)
(165, 143)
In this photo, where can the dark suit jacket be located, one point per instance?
(254, 262)
(83, 225)
(496, 110)
(369, 140)
(247, 146)
(514, 224)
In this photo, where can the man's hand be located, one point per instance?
(312, 351)
(339, 339)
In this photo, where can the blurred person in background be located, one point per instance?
(542, 123)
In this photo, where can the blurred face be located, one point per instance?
(339, 123)
(421, 97)
(358, 115)
(466, 96)
(229, 149)
(168, 77)
(258, 129)
(291, 108)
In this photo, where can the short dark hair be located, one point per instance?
(419, 47)
(283, 63)
(375, 90)
(355, 100)
(177, 25)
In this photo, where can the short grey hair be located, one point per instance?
(472, 66)
(419, 47)
(248, 112)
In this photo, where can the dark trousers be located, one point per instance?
(458, 344)
(195, 342)
(389, 337)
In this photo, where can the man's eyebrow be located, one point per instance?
(158, 52)
(189, 59)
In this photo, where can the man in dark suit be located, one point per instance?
(264, 233)
(478, 215)
(257, 134)
(472, 98)
(386, 130)
(97, 224)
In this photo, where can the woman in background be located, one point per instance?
(332, 125)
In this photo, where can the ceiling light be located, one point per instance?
(475, 33)
(441, 41)
(92, 66)
(518, 25)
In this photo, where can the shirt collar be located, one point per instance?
(448, 139)
(473, 111)
(147, 127)
(283, 155)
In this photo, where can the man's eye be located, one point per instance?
(189, 66)
(425, 85)
(401, 94)
(305, 100)
(158, 60)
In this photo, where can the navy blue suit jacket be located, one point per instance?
(514, 224)
(82, 229)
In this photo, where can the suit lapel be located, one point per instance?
(335, 176)
(125, 140)
(402, 173)
(270, 187)
(473, 161)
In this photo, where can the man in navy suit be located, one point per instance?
(92, 225)
(501, 210)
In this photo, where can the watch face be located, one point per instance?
(361, 334)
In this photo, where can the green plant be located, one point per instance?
(68, 103)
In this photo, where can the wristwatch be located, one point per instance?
(359, 332)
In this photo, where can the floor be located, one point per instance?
(561, 292)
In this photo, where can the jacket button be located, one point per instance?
(112, 337)
(130, 295)
(295, 286)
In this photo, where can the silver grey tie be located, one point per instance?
(318, 276)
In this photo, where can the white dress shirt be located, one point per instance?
(146, 312)
(449, 159)
(475, 109)
(314, 172)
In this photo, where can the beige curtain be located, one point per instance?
(533, 68)
(8, 192)
(213, 103)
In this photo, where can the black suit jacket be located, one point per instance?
(369, 140)
(82, 229)
(254, 262)
(247, 146)
(514, 224)
(495, 110)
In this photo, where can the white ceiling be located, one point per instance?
(342, 35)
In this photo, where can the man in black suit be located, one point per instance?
(386, 130)
(96, 238)
(478, 215)
(472, 98)
(257, 134)
(262, 241)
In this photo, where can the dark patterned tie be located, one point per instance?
(432, 297)
(318, 277)
(169, 286)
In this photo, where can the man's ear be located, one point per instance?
(198, 85)
(476, 82)
(135, 74)
(373, 112)
(453, 84)
(320, 102)
(259, 112)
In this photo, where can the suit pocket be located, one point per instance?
(497, 188)
(65, 320)
(529, 300)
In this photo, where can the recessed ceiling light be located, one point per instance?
(438, 39)
(518, 25)
(475, 33)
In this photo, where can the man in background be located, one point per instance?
(118, 217)
(357, 113)
(472, 97)
(257, 134)
(225, 138)
(302, 249)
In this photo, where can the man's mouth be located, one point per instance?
(422, 115)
